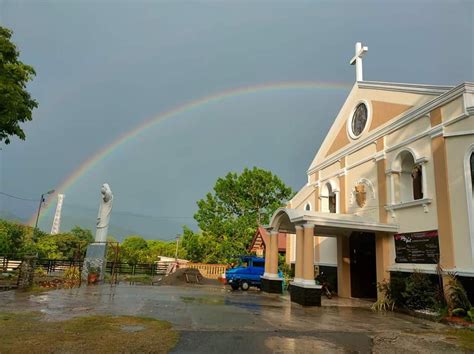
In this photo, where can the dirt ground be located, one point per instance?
(214, 319)
(186, 276)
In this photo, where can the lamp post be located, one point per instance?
(40, 204)
(177, 242)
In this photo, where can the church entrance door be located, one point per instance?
(363, 265)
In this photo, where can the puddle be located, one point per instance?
(202, 300)
(132, 328)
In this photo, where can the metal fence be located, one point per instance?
(52, 266)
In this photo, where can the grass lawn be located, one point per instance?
(28, 333)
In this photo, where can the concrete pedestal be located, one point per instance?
(27, 272)
(272, 285)
(95, 260)
(305, 295)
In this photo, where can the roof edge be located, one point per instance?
(426, 89)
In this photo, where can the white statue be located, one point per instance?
(105, 209)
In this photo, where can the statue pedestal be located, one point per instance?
(95, 261)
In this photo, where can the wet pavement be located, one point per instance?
(217, 320)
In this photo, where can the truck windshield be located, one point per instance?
(243, 264)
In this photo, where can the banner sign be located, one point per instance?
(417, 247)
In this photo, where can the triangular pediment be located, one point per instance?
(383, 112)
(386, 104)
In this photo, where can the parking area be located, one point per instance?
(214, 319)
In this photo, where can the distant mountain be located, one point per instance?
(122, 223)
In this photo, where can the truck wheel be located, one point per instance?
(245, 286)
(234, 286)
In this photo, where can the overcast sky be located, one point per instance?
(103, 67)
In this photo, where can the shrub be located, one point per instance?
(384, 301)
(459, 312)
(397, 288)
(40, 272)
(456, 296)
(470, 314)
(419, 292)
(72, 275)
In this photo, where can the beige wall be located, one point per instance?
(329, 171)
(304, 195)
(325, 248)
(464, 125)
(361, 154)
(327, 251)
(452, 110)
(456, 150)
(416, 218)
(357, 94)
(450, 189)
(408, 131)
(368, 171)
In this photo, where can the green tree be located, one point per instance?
(16, 103)
(48, 248)
(194, 244)
(159, 248)
(16, 240)
(133, 250)
(83, 234)
(229, 216)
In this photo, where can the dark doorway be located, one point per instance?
(363, 266)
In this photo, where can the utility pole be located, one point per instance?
(177, 242)
(40, 204)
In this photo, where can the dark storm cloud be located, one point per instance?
(104, 67)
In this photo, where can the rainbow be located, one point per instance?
(186, 107)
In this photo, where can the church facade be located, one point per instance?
(390, 190)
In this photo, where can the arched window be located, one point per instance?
(328, 199)
(307, 207)
(410, 181)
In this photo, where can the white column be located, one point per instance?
(392, 188)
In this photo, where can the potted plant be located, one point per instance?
(93, 275)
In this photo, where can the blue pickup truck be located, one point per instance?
(247, 273)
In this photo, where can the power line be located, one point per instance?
(19, 198)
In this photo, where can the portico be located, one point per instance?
(308, 224)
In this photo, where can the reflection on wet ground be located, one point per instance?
(216, 320)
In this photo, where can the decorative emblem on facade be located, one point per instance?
(360, 194)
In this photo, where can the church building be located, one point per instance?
(390, 190)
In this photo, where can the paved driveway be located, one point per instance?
(217, 320)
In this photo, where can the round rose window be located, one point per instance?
(359, 120)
